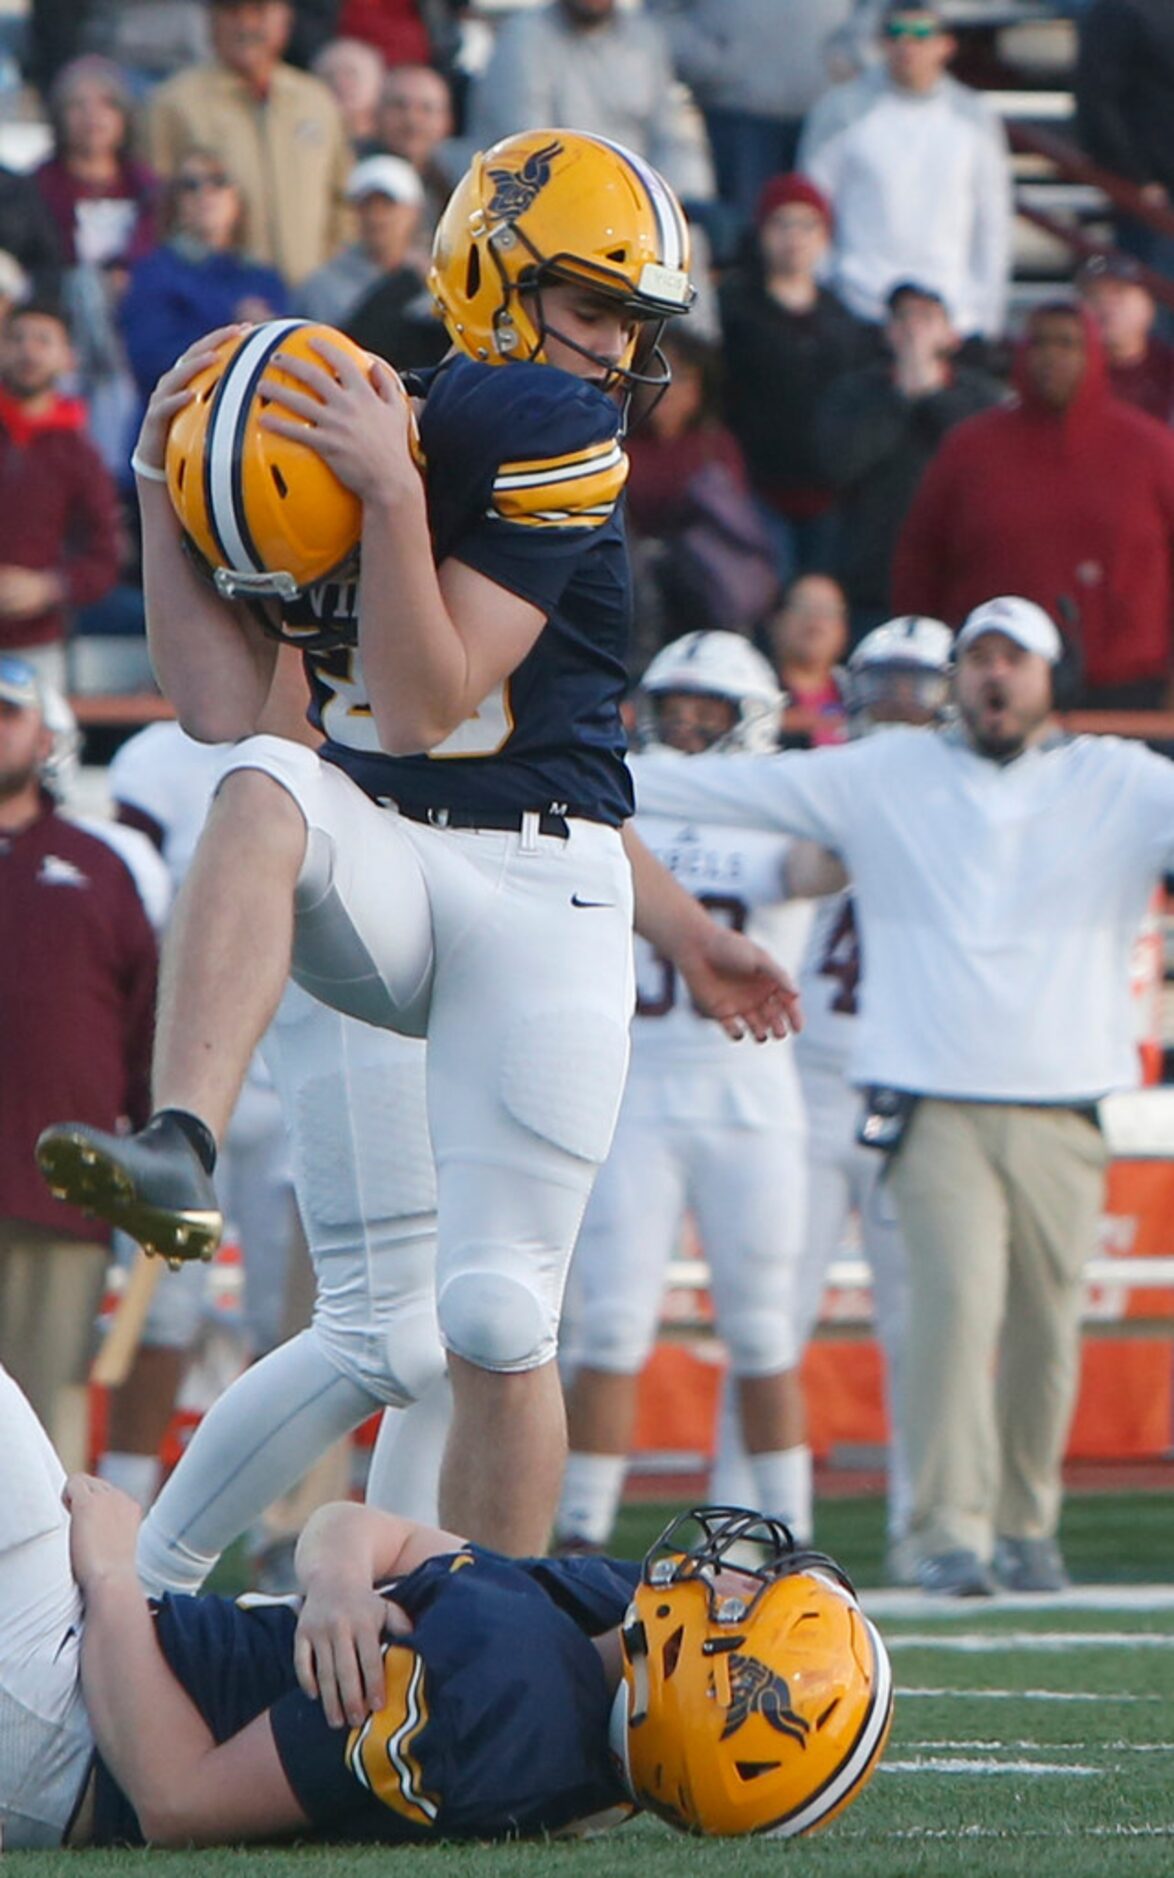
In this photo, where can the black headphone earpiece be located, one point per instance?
(1068, 671)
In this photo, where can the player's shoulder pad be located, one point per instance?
(549, 443)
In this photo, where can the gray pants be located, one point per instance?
(999, 1206)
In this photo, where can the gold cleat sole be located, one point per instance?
(83, 1176)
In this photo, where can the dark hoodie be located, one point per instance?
(1072, 509)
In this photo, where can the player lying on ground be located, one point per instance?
(424, 1689)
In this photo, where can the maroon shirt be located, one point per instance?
(58, 511)
(1150, 383)
(101, 223)
(77, 999)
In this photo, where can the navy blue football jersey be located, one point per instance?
(525, 476)
(497, 1704)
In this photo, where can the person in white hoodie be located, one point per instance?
(916, 167)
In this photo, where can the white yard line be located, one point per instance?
(939, 1764)
(1000, 1642)
(921, 1605)
(1036, 1747)
(1022, 1695)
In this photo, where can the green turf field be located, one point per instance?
(1032, 1737)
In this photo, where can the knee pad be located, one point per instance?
(759, 1342)
(497, 1321)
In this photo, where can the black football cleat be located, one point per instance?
(151, 1185)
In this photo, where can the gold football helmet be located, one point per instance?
(756, 1696)
(551, 205)
(268, 516)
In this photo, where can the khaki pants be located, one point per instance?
(999, 1206)
(50, 1293)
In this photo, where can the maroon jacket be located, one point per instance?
(77, 1000)
(101, 223)
(58, 509)
(1076, 508)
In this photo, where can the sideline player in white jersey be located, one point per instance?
(898, 674)
(704, 1127)
(161, 782)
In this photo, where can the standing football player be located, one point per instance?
(898, 674)
(703, 1127)
(451, 863)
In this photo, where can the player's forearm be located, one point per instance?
(351, 1544)
(414, 662)
(666, 914)
(210, 664)
(148, 1731)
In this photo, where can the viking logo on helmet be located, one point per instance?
(756, 1690)
(515, 190)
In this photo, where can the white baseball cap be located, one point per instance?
(384, 176)
(19, 684)
(1021, 620)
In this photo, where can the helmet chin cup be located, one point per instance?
(233, 586)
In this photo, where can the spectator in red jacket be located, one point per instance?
(1140, 365)
(59, 523)
(1065, 497)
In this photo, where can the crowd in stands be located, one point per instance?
(859, 423)
(850, 202)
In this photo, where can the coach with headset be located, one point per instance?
(1001, 870)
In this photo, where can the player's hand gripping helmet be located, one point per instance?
(900, 674)
(550, 205)
(716, 665)
(755, 1697)
(265, 513)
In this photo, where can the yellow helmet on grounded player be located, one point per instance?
(265, 512)
(756, 1696)
(549, 205)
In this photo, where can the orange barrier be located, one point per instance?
(1125, 1409)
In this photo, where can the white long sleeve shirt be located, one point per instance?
(998, 903)
(921, 187)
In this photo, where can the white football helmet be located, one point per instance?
(715, 665)
(899, 674)
(61, 770)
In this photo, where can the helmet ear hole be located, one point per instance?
(671, 1654)
(473, 275)
(279, 482)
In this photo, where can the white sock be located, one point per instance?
(782, 1482)
(136, 1474)
(592, 1484)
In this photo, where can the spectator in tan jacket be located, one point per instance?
(279, 131)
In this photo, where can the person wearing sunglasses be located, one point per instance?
(197, 279)
(916, 168)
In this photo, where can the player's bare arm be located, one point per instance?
(185, 1789)
(434, 643)
(344, 1551)
(211, 659)
(731, 978)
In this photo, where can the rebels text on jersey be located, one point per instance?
(525, 475)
